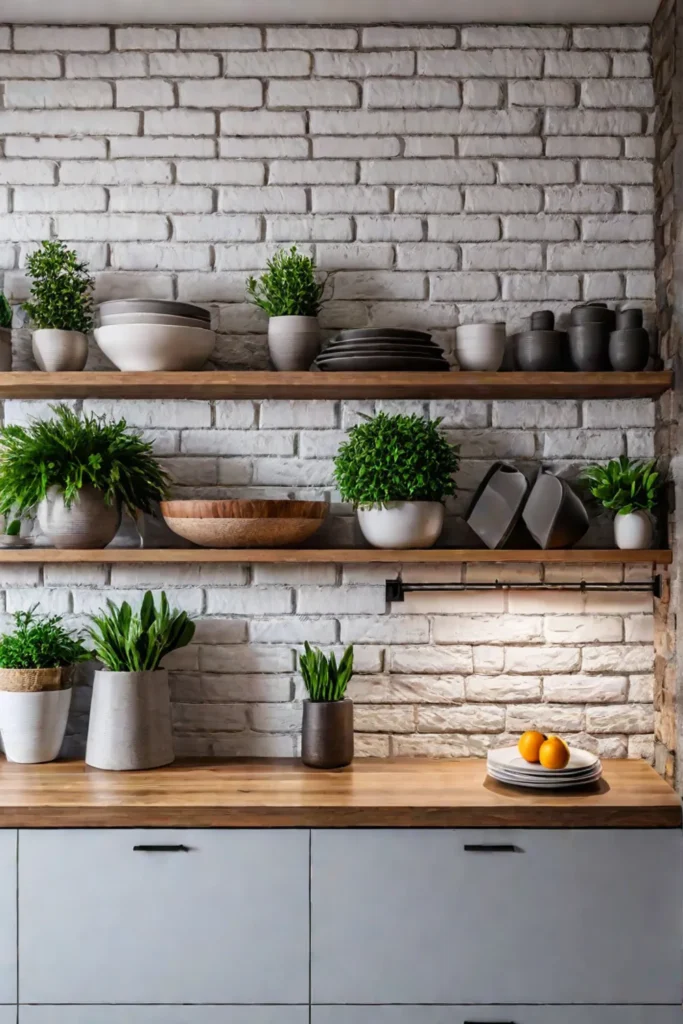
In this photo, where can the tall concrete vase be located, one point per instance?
(130, 721)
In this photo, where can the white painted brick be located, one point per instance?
(550, 718)
(434, 122)
(541, 287)
(60, 38)
(416, 92)
(388, 228)
(468, 228)
(340, 601)
(298, 38)
(501, 145)
(503, 688)
(529, 172)
(173, 199)
(251, 601)
(469, 718)
(5, 37)
(541, 227)
(220, 38)
(570, 64)
(543, 94)
(243, 93)
(49, 602)
(65, 122)
(136, 92)
(184, 65)
(432, 746)
(626, 92)
(393, 35)
(632, 718)
(428, 145)
(578, 629)
(580, 689)
(638, 199)
(631, 65)
(589, 145)
(75, 575)
(20, 576)
(351, 199)
(112, 228)
(502, 256)
(106, 65)
(139, 38)
(384, 629)
(481, 93)
(489, 629)
(312, 94)
(640, 148)
(500, 199)
(622, 227)
(170, 145)
(27, 172)
(47, 200)
(236, 414)
(621, 658)
(262, 122)
(580, 199)
(413, 199)
(268, 146)
(269, 199)
(293, 629)
(622, 37)
(220, 172)
(593, 122)
(640, 286)
(235, 442)
(456, 287)
(466, 413)
(362, 65)
(284, 64)
(513, 35)
(252, 658)
(407, 689)
(30, 65)
(641, 688)
(447, 660)
(496, 63)
(375, 256)
(312, 172)
(379, 285)
(214, 229)
(276, 414)
(278, 472)
(588, 444)
(542, 659)
(385, 719)
(600, 256)
(23, 228)
(427, 256)
(538, 413)
(602, 286)
(617, 172)
(115, 172)
(640, 444)
(619, 413)
(179, 122)
(348, 148)
(40, 95)
(438, 172)
(306, 229)
(181, 413)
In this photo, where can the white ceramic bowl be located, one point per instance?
(155, 347)
(480, 346)
(154, 318)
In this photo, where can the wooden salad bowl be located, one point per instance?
(244, 524)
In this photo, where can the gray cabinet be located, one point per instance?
(8, 919)
(494, 1015)
(165, 1015)
(223, 920)
(8, 1015)
(506, 917)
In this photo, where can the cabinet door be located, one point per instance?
(223, 919)
(164, 1015)
(8, 1015)
(8, 918)
(489, 916)
(495, 1015)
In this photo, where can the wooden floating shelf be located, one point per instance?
(343, 556)
(311, 385)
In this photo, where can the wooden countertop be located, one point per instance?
(406, 792)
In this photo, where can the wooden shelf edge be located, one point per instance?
(341, 556)
(306, 385)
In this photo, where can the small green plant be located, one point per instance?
(13, 528)
(127, 641)
(5, 312)
(69, 452)
(624, 485)
(324, 679)
(61, 289)
(395, 458)
(40, 642)
(288, 287)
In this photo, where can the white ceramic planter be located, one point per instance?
(60, 351)
(89, 523)
(5, 349)
(130, 721)
(633, 531)
(293, 341)
(480, 346)
(402, 524)
(33, 724)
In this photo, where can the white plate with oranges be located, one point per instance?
(543, 762)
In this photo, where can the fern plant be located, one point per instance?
(127, 641)
(324, 679)
(61, 289)
(40, 641)
(5, 312)
(624, 485)
(288, 287)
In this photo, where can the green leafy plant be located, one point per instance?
(324, 679)
(61, 289)
(395, 458)
(40, 642)
(69, 452)
(127, 641)
(13, 528)
(5, 312)
(624, 485)
(288, 287)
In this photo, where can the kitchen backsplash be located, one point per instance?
(439, 175)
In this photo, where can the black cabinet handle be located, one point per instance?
(490, 848)
(152, 848)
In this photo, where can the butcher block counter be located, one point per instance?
(398, 793)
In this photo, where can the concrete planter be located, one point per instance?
(327, 733)
(293, 341)
(633, 532)
(130, 721)
(89, 523)
(33, 724)
(59, 351)
(402, 524)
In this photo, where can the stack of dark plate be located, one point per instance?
(382, 348)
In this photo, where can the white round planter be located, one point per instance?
(60, 351)
(480, 346)
(5, 349)
(402, 524)
(88, 523)
(130, 721)
(33, 724)
(633, 532)
(293, 341)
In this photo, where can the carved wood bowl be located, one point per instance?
(244, 524)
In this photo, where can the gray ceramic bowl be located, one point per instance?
(115, 307)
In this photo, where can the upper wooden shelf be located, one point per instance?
(307, 385)
(344, 556)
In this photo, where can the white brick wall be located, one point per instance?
(438, 175)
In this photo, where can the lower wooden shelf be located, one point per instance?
(342, 556)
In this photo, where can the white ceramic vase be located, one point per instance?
(130, 721)
(5, 349)
(33, 724)
(402, 524)
(633, 532)
(88, 523)
(293, 341)
(480, 346)
(60, 351)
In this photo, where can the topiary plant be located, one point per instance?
(395, 458)
(624, 485)
(69, 452)
(325, 680)
(61, 289)
(40, 642)
(288, 287)
(127, 641)
(5, 312)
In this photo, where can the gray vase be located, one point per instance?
(130, 721)
(327, 733)
(88, 523)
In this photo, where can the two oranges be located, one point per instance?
(550, 751)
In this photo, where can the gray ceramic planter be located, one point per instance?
(327, 734)
(88, 523)
(130, 721)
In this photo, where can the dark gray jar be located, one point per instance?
(327, 733)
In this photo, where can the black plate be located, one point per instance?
(351, 363)
(383, 332)
(387, 350)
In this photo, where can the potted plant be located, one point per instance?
(36, 663)
(60, 307)
(396, 471)
(628, 487)
(5, 334)
(289, 293)
(130, 715)
(77, 473)
(327, 731)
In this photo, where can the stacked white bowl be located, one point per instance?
(155, 334)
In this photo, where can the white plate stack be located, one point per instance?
(507, 765)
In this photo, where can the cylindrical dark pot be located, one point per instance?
(629, 319)
(327, 734)
(540, 350)
(589, 347)
(593, 313)
(629, 350)
(543, 320)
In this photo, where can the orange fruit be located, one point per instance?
(530, 744)
(554, 753)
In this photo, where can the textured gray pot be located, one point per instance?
(293, 341)
(89, 523)
(130, 721)
(327, 733)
